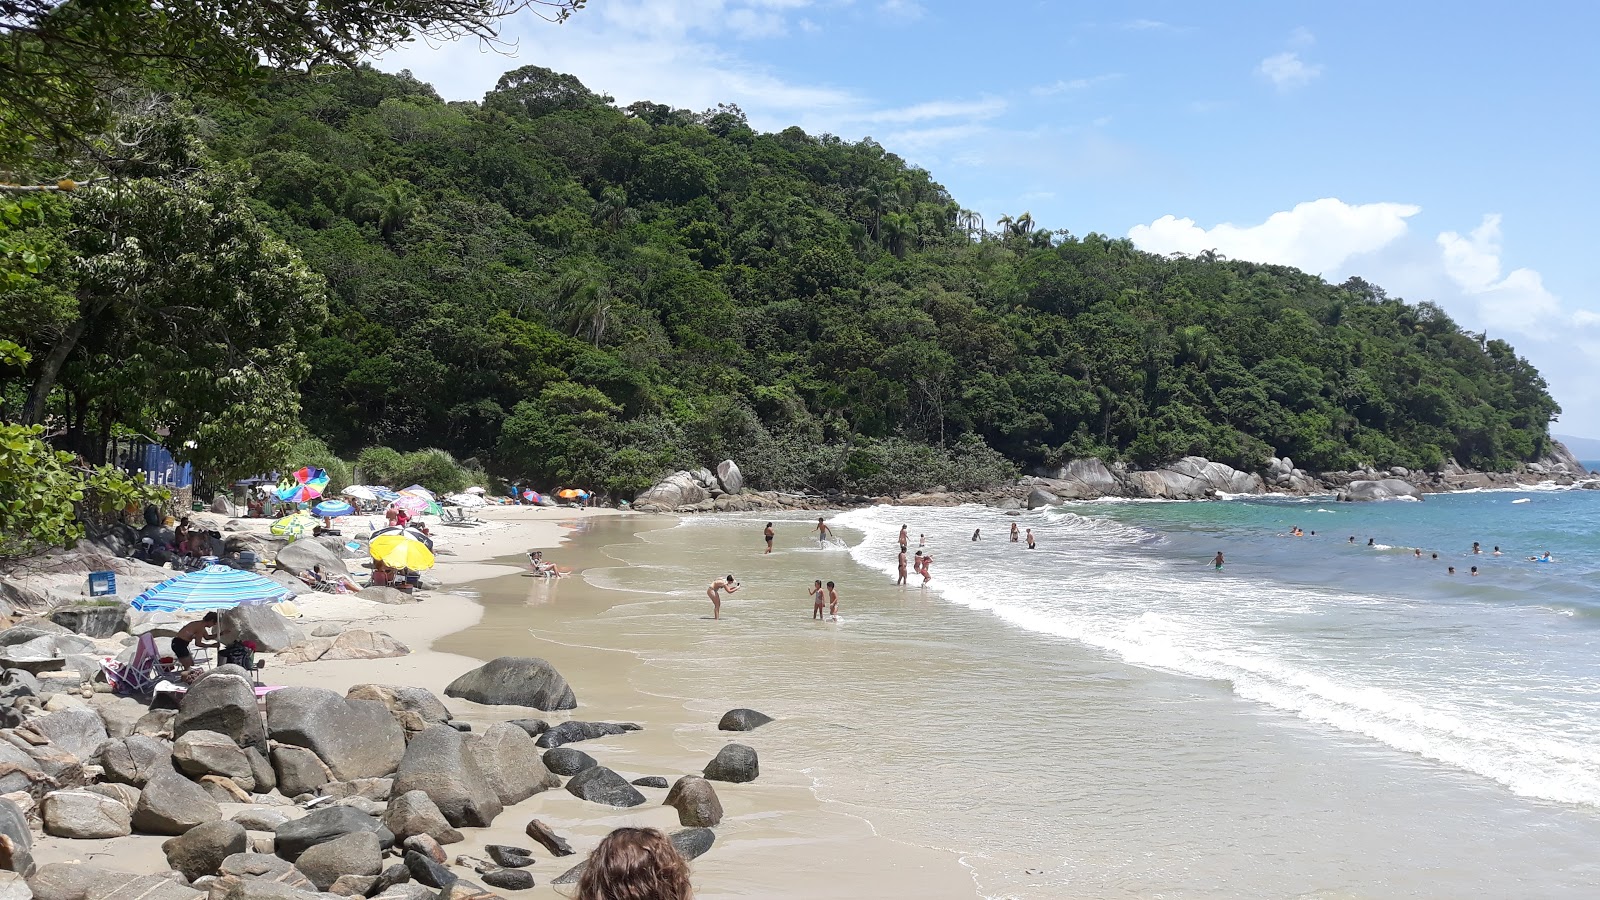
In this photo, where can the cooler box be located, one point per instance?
(102, 584)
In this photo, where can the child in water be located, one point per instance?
(1218, 561)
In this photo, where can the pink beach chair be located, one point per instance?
(139, 675)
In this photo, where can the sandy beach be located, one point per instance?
(777, 839)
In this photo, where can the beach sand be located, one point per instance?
(776, 840)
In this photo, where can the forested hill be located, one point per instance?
(577, 293)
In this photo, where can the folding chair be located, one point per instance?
(140, 674)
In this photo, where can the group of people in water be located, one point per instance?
(1372, 543)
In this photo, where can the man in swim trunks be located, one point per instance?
(1014, 532)
(833, 602)
(902, 565)
(767, 534)
(198, 634)
(1218, 561)
(816, 599)
(714, 594)
(1031, 545)
(823, 532)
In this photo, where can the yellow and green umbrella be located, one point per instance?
(401, 552)
(293, 525)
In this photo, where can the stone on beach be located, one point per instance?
(298, 771)
(356, 738)
(515, 681)
(84, 815)
(438, 763)
(356, 853)
(262, 624)
(413, 813)
(413, 708)
(601, 785)
(201, 850)
(133, 760)
(548, 839)
(651, 781)
(302, 556)
(696, 802)
(199, 753)
(735, 763)
(742, 720)
(509, 857)
(573, 732)
(320, 826)
(172, 804)
(77, 731)
(224, 701)
(567, 761)
(509, 879)
(16, 838)
(509, 760)
(426, 871)
(357, 643)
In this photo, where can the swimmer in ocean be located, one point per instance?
(1352, 539)
(1014, 532)
(1497, 550)
(1476, 550)
(977, 534)
(1452, 571)
(1474, 571)
(1218, 561)
(1372, 542)
(1418, 552)
(1031, 545)
(823, 532)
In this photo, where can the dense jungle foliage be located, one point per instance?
(569, 292)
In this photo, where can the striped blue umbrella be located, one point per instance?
(333, 509)
(214, 587)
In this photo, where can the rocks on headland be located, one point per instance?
(1384, 489)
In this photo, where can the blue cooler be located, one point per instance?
(102, 584)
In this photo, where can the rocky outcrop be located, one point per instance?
(515, 681)
(438, 763)
(356, 738)
(729, 476)
(1384, 489)
(676, 490)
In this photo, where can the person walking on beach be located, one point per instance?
(714, 593)
(922, 540)
(1014, 532)
(833, 602)
(767, 534)
(1218, 561)
(637, 864)
(902, 565)
(1031, 544)
(823, 532)
(816, 599)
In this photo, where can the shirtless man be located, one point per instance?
(199, 634)
(767, 534)
(1031, 545)
(1014, 532)
(833, 602)
(714, 594)
(823, 532)
(816, 599)
(1218, 561)
(902, 564)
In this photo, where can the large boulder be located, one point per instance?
(356, 853)
(357, 643)
(735, 763)
(172, 804)
(80, 732)
(260, 623)
(199, 753)
(1381, 489)
(413, 813)
(120, 714)
(303, 555)
(742, 720)
(97, 621)
(729, 476)
(438, 763)
(134, 759)
(356, 738)
(413, 708)
(84, 815)
(16, 838)
(677, 489)
(224, 701)
(567, 760)
(601, 785)
(515, 681)
(201, 850)
(1085, 479)
(572, 732)
(1038, 498)
(696, 802)
(298, 771)
(510, 762)
(320, 826)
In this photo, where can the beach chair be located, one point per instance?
(140, 674)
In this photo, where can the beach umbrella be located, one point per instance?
(214, 587)
(401, 552)
(360, 492)
(531, 496)
(419, 489)
(293, 525)
(412, 504)
(476, 490)
(333, 509)
(569, 494)
(405, 531)
(468, 501)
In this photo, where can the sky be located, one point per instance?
(1445, 151)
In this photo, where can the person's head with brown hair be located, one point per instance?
(635, 864)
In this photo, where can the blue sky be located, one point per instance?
(1443, 150)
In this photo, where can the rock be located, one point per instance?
(693, 842)
(357, 643)
(261, 770)
(125, 794)
(572, 732)
(302, 555)
(353, 885)
(18, 683)
(438, 764)
(320, 826)
(71, 881)
(412, 707)
(328, 629)
(601, 785)
(677, 489)
(534, 727)
(509, 879)
(356, 853)
(224, 701)
(172, 804)
(91, 621)
(133, 760)
(548, 839)
(567, 761)
(262, 866)
(509, 760)
(425, 871)
(84, 815)
(356, 738)
(413, 813)
(77, 731)
(260, 818)
(386, 595)
(734, 763)
(118, 714)
(201, 850)
(428, 847)
(223, 789)
(651, 781)
(1038, 498)
(380, 789)
(742, 720)
(16, 839)
(1385, 489)
(370, 807)
(1085, 479)
(298, 771)
(156, 723)
(696, 802)
(729, 476)
(260, 623)
(515, 681)
(407, 891)
(509, 857)
(199, 753)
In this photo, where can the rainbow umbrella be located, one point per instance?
(333, 509)
(401, 552)
(293, 525)
(310, 482)
(412, 504)
(531, 496)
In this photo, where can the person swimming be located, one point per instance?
(1497, 550)
(1452, 571)
(1476, 550)
(977, 534)
(1372, 542)
(1352, 539)
(1474, 571)
(1417, 552)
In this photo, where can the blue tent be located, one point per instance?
(214, 587)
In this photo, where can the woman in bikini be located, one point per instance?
(816, 599)
(767, 534)
(714, 594)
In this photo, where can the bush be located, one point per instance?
(435, 470)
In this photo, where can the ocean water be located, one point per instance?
(1109, 715)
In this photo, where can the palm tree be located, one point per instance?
(583, 306)
(612, 207)
(1019, 226)
(397, 207)
(897, 229)
(970, 222)
(859, 239)
(1210, 256)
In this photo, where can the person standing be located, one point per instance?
(823, 532)
(904, 538)
(902, 565)
(816, 599)
(714, 594)
(1031, 545)
(766, 533)
(1014, 532)
(1218, 561)
(833, 602)
(927, 567)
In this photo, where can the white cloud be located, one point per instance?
(902, 9)
(1287, 71)
(1144, 25)
(987, 108)
(1301, 37)
(1518, 302)
(1318, 236)
(1074, 85)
